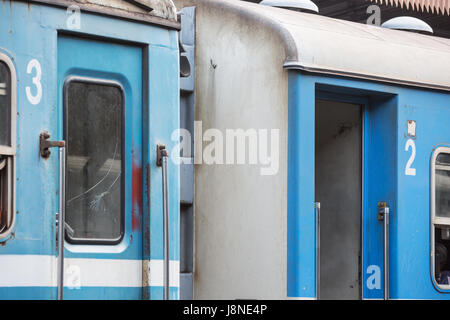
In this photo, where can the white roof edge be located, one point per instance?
(372, 77)
(163, 13)
(319, 44)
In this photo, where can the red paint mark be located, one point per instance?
(136, 193)
(147, 183)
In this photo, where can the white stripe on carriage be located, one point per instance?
(102, 273)
(27, 271)
(40, 271)
(157, 273)
(2, 92)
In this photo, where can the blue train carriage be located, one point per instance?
(348, 195)
(87, 92)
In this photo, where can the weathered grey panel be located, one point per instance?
(187, 185)
(186, 286)
(240, 230)
(187, 39)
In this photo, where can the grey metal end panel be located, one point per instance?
(187, 32)
(187, 38)
(186, 290)
(187, 183)
(187, 239)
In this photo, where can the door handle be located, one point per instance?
(162, 156)
(383, 215)
(44, 149)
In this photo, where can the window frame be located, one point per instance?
(111, 83)
(10, 151)
(436, 221)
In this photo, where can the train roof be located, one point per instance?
(319, 44)
(157, 12)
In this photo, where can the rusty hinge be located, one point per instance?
(45, 144)
(160, 152)
(382, 210)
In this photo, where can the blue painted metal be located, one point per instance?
(163, 119)
(380, 133)
(27, 293)
(412, 255)
(387, 109)
(86, 293)
(301, 257)
(149, 74)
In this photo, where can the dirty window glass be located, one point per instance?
(94, 208)
(5, 105)
(443, 185)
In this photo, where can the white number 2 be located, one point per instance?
(410, 171)
(34, 100)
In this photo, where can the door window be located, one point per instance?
(94, 132)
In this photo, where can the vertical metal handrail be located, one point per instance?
(61, 220)
(166, 224)
(386, 253)
(317, 210)
(162, 160)
(383, 215)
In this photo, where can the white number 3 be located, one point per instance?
(410, 171)
(35, 99)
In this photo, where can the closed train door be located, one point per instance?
(100, 104)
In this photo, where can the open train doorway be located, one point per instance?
(338, 188)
